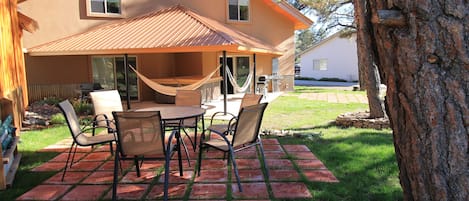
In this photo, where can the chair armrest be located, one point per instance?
(220, 113)
(106, 119)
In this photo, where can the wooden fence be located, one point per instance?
(62, 91)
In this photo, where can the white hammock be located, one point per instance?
(169, 90)
(233, 82)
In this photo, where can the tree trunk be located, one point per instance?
(367, 57)
(424, 60)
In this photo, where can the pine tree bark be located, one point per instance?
(424, 61)
(367, 58)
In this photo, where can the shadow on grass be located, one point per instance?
(363, 161)
(25, 179)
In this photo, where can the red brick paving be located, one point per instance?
(175, 191)
(49, 166)
(216, 176)
(90, 178)
(250, 191)
(249, 175)
(310, 164)
(63, 157)
(320, 175)
(70, 178)
(284, 175)
(290, 190)
(45, 192)
(129, 191)
(86, 192)
(99, 177)
(208, 191)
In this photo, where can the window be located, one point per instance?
(109, 72)
(104, 8)
(319, 64)
(238, 10)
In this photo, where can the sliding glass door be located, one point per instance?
(109, 71)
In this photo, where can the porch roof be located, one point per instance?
(176, 29)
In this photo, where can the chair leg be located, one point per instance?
(137, 167)
(186, 150)
(199, 159)
(235, 167)
(114, 182)
(190, 139)
(74, 152)
(110, 148)
(178, 149)
(166, 174)
(261, 148)
(68, 158)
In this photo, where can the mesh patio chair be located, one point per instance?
(245, 135)
(140, 136)
(247, 100)
(104, 103)
(81, 135)
(187, 98)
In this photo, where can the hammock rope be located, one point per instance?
(169, 90)
(233, 82)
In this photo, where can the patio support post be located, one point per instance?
(225, 82)
(254, 72)
(126, 76)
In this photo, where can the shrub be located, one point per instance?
(305, 78)
(57, 119)
(51, 100)
(332, 79)
(82, 107)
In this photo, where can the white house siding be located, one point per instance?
(341, 55)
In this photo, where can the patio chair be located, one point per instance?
(80, 135)
(245, 135)
(140, 136)
(104, 103)
(187, 98)
(247, 100)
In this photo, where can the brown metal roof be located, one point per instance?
(176, 29)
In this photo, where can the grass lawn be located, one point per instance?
(362, 159)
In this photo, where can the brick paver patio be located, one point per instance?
(91, 177)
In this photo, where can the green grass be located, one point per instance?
(30, 142)
(362, 159)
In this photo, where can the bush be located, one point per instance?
(82, 108)
(305, 78)
(332, 79)
(51, 100)
(57, 119)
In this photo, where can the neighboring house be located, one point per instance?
(166, 40)
(333, 57)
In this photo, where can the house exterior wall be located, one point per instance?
(341, 55)
(65, 18)
(66, 69)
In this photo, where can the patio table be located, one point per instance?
(178, 113)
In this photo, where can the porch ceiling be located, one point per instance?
(176, 29)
